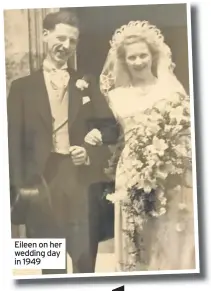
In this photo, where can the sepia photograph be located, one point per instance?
(101, 144)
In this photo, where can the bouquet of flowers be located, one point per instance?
(160, 151)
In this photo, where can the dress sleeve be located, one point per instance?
(110, 98)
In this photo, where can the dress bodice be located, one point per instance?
(129, 103)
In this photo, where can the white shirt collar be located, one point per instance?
(49, 67)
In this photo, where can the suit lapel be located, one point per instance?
(75, 98)
(42, 100)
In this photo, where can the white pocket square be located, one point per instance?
(86, 99)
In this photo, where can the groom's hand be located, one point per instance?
(79, 155)
(94, 137)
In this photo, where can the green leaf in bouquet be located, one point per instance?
(172, 121)
(167, 167)
(187, 162)
(162, 106)
(186, 109)
(185, 121)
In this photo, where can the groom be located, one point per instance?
(55, 175)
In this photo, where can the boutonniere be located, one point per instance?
(82, 84)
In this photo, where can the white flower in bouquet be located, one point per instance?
(160, 193)
(150, 151)
(177, 189)
(140, 120)
(184, 139)
(161, 174)
(178, 161)
(163, 170)
(156, 149)
(167, 128)
(177, 114)
(174, 170)
(161, 196)
(159, 163)
(168, 168)
(154, 213)
(148, 132)
(189, 154)
(153, 183)
(176, 129)
(140, 222)
(162, 211)
(134, 142)
(179, 171)
(134, 178)
(140, 184)
(137, 164)
(158, 146)
(180, 226)
(187, 108)
(151, 159)
(182, 206)
(118, 196)
(153, 128)
(163, 106)
(155, 116)
(159, 143)
(175, 99)
(109, 197)
(147, 188)
(163, 201)
(145, 139)
(181, 150)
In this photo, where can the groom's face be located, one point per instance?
(61, 42)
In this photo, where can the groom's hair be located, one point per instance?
(64, 16)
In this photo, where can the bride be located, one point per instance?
(154, 222)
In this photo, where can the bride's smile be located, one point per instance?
(138, 59)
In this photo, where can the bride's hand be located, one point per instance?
(94, 137)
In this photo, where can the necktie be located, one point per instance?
(59, 78)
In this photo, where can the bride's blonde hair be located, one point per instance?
(115, 74)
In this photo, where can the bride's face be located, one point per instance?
(138, 59)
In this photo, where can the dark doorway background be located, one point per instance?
(99, 23)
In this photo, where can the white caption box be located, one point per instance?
(39, 253)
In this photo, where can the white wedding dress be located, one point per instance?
(164, 247)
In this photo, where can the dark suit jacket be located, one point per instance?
(30, 133)
(30, 127)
